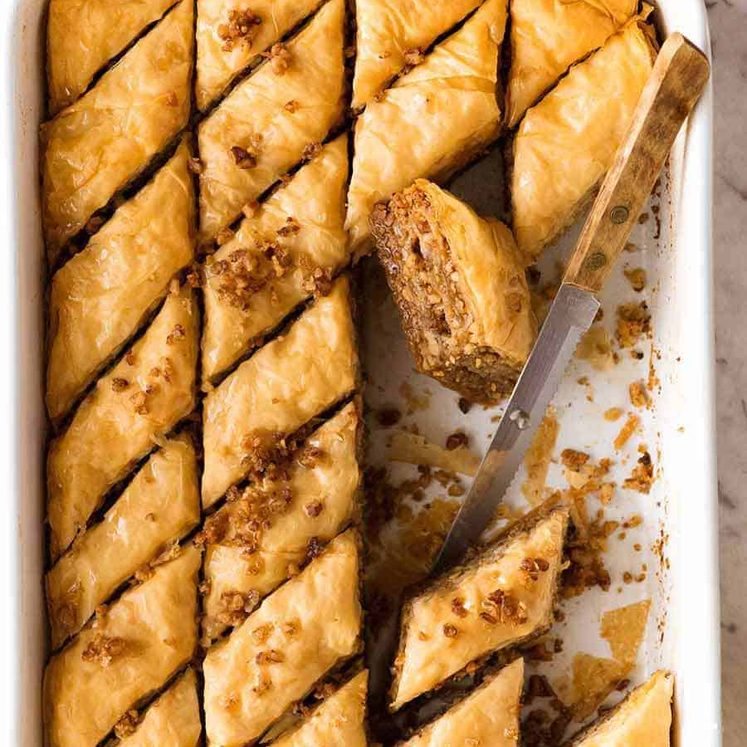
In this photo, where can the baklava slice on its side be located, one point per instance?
(105, 292)
(431, 122)
(299, 633)
(460, 288)
(286, 251)
(265, 533)
(643, 718)
(283, 386)
(264, 126)
(127, 653)
(141, 399)
(548, 36)
(567, 142)
(488, 716)
(501, 598)
(95, 146)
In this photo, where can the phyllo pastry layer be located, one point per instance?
(280, 388)
(432, 121)
(286, 251)
(548, 36)
(459, 284)
(488, 716)
(499, 599)
(566, 143)
(263, 535)
(172, 721)
(231, 37)
(126, 654)
(95, 146)
(84, 35)
(643, 718)
(141, 399)
(282, 650)
(393, 34)
(263, 127)
(340, 720)
(160, 505)
(104, 293)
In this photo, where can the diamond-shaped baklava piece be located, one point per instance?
(567, 142)
(303, 630)
(95, 146)
(105, 292)
(267, 123)
(499, 599)
(283, 386)
(459, 284)
(288, 249)
(141, 399)
(432, 121)
(127, 653)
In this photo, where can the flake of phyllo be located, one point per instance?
(392, 35)
(267, 123)
(288, 249)
(130, 651)
(339, 721)
(172, 721)
(488, 716)
(548, 36)
(248, 418)
(84, 35)
(160, 505)
(267, 531)
(499, 599)
(432, 121)
(98, 144)
(104, 293)
(232, 36)
(302, 631)
(643, 718)
(567, 142)
(140, 400)
(459, 284)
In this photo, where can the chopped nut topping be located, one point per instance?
(311, 151)
(235, 607)
(243, 158)
(314, 548)
(533, 567)
(176, 334)
(262, 633)
(264, 683)
(195, 165)
(127, 725)
(119, 385)
(292, 106)
(458, 608)
(450, 631)
(140, 402)
(241, 27)
(280, 58)
(457, 440)
(292, 226)
(271, 656)
(506, 607)
(314, 508)
(104, 649)
(94, 224)
(413, 56)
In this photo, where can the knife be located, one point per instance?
(679, 76)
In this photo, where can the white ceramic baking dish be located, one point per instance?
(680, 426)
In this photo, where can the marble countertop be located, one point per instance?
(728, 20)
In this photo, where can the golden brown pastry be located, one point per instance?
(263, 127)
(567, 142)
(548, 36)
(172, 721)
(311, 500)
(497, 600)
(459, 284)
(159, 506)
(105, 292)
(231, 37)
(141, 399)
(643, 718)
(280, 388)
(340, 720)
(392, 34)
(488, 716)
(91, 149)
(130, 651)
(300, 632)
(84, 35)
(288, 249)
(432, 121)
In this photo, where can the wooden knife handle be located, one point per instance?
(680, 73)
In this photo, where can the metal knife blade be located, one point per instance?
(571, 314)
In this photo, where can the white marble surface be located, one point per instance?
(728, 20)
